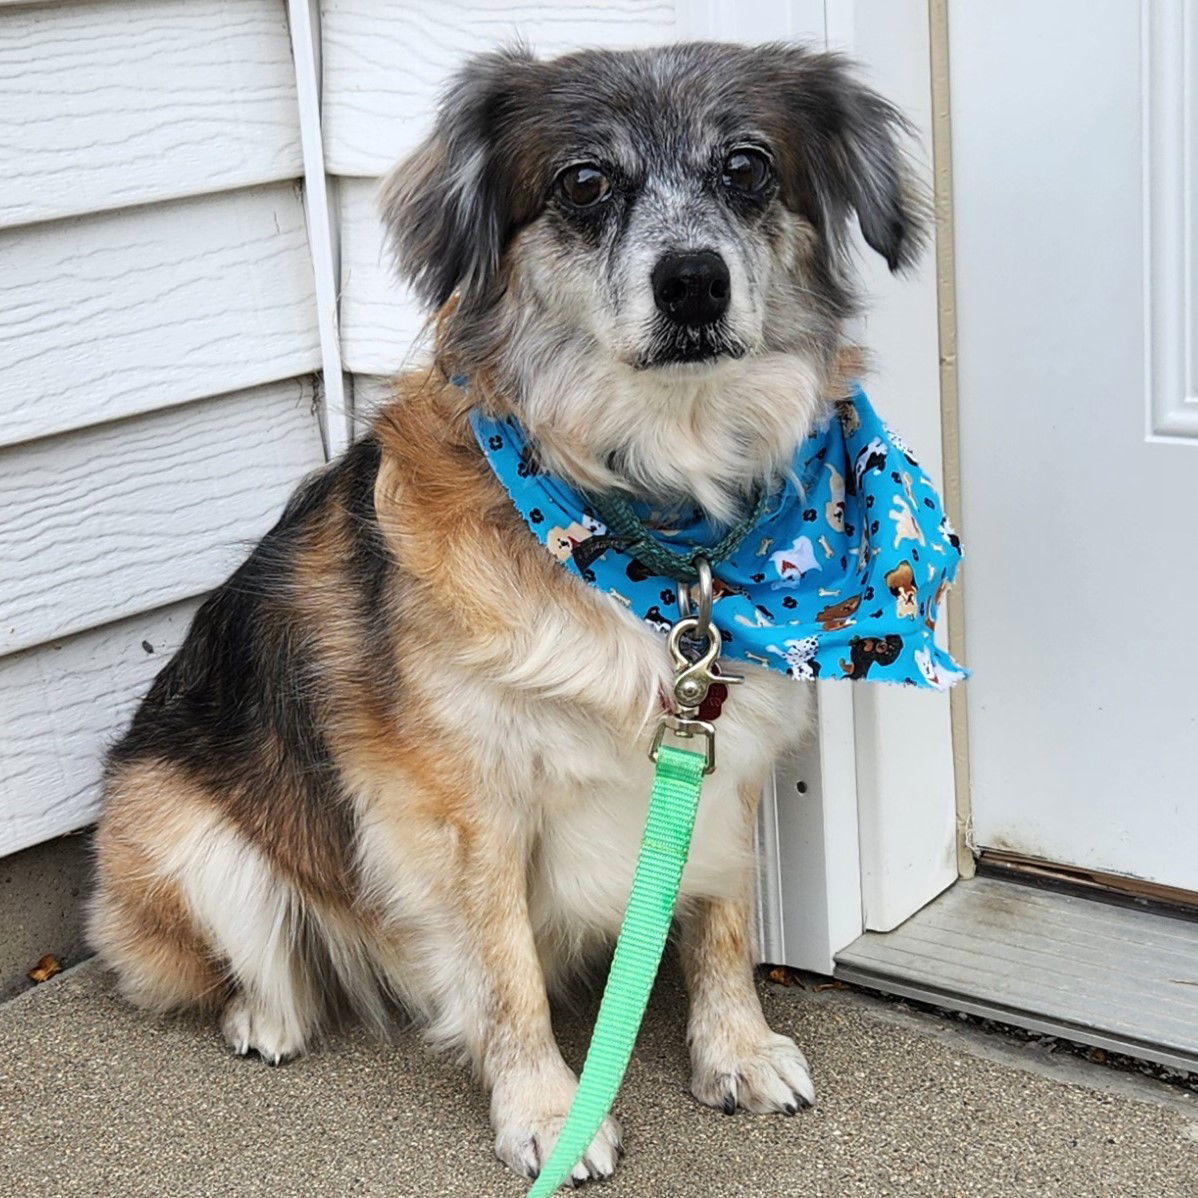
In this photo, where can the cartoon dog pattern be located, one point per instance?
(834, 508)
(842, 577)
(872, 457)
(799, 656)
(935, 672)
(901, 583)
(905, 526)
(868, 651)
(846, 412)
(562, 542)
(791, 564)
(839, 615)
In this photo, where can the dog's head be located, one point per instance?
(647, 228)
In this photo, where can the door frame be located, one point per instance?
(861, 828)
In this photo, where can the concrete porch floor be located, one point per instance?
(98, 1100)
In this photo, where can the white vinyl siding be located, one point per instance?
(128, 516)
(385, 66)
(107, 105)
(381, 325)
(158, 353)
(63, 702)
(112, 315)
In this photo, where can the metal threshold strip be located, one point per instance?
(1122, 979)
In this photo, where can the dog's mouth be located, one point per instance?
(675, 346)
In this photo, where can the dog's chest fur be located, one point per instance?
(587, 786)
(547, 692)
(579, 779)
(554, 691)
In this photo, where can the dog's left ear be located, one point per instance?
(843, 143)
(450, 207)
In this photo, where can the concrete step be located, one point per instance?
(98, 1100)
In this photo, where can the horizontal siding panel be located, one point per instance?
(64, 703)
(381, 324)
(131, 516)
(106, 316)
(385, 65)
(371, 392)
(107, 105)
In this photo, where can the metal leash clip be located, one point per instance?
(694, 643)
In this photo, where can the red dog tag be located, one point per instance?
(709, 709)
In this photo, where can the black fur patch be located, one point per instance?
(240, 707)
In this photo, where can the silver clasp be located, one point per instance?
(686, 728)
(704, 598)
(694, 678)
(694, 675)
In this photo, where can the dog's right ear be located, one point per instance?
(450, 207)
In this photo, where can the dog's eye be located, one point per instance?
(746, 170)
(584, 184)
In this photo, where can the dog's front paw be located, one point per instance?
(768, 1075)
(528, 1121)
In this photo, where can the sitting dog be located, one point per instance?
(401, 757)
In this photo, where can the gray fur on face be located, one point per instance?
(546, 289)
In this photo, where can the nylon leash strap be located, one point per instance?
(694, 645)
(665, 845)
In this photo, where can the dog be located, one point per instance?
(840, 615)
(400, 758)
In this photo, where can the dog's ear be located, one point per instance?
(844, 152)
(450, 206)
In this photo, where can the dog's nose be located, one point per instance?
(691, 289)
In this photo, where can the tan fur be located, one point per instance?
(139, 919)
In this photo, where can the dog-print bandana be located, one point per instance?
(842, 576)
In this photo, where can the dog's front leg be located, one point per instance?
(737, 1062)
(509, 1030)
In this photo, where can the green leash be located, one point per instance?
(694, 645)
(664, 848)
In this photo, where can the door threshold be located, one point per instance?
(1089, 883)
(1118, 978)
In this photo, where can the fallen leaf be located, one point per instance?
(45, 969)
(783, 975)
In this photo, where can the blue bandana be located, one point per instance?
(842, 576)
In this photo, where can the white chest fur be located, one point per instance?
(558, 726)
(597, 784)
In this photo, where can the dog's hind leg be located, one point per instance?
(138, 917)
(142, 929)
(189, 914)
(254, 919)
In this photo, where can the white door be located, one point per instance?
(1075, 145)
